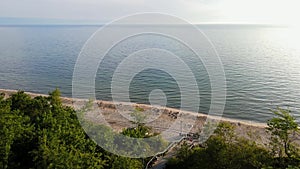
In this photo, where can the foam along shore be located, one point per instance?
(168, 121)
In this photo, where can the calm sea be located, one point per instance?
(262, 66)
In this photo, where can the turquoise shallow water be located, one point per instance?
(261, 64)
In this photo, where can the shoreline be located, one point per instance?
(69, 102)
(169, 122)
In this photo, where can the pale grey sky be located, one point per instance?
(195, 11)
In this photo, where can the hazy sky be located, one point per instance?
(195, 11)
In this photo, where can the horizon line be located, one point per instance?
(36, 21)
(163, 24)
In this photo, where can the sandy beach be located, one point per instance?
(168, 121)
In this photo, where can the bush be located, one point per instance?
(42, 133)
(222, 150)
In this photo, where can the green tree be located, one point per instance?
(15, 130)
(42, 133)
(223, 150)
(283, 129)
(125, 162)
(54, 98)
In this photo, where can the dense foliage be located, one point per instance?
(283, 129)
(225, 150)
(42, 133)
